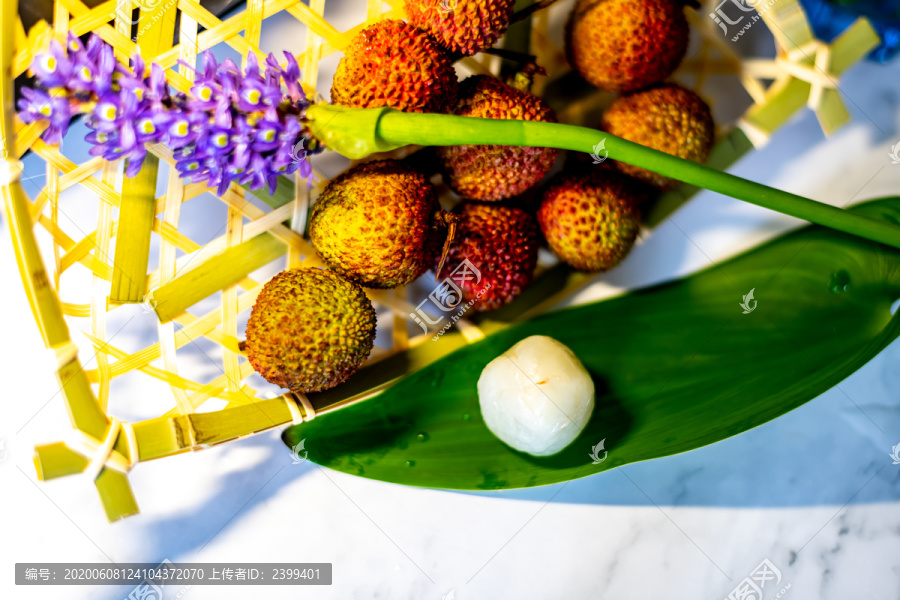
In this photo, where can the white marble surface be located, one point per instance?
(814, 492)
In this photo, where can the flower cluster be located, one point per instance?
(231, 127)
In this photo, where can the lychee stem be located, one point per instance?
(450, 221)
(530, 10)
(384, 128)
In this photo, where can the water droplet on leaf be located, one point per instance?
(839, 282)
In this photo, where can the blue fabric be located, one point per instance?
(831, 17)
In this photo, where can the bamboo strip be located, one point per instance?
(317, 24)
(213, 275)
(167, 252)
(137, 214)
(108, 193)
(173, 379)
(399, 333)
(166, 435)
(802, 77)
(76, 310)
(135, 224)
(299, 213)
(230, 306)
(373, 10)
(100, 286)
(93, 263)
(84, 410)
(198, 327)
(52, 195)
(27, 136)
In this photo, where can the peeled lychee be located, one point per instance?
(591, 220)
(392, 63)
(496, 172)
(536, 397)
(625, 45)
(668, 118)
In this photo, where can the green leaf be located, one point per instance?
(676, 366)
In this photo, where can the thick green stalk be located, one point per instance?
(358, 132)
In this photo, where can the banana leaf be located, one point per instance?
(676, 366)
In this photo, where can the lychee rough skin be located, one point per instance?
(310, 330)
(502, 243)
(468, 28)
(668, 118)
(378, 224)
(590, 221)
(496, 172)
(392, 63)
(625, 45)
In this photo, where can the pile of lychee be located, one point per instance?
(380, 224)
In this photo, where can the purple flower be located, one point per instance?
(191, 168)
(105, 145)
(255, 92)
(242, 136)
(105, 66)
(233, 127)
(135, 160)
(53, 69)
(41, 106)
(158, 86)
(267, 135)
(216, 141)
(107, 115)
(151, 125)
(290, 75)
(207, 88)
(184, 127)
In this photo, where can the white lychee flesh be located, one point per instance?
(537, 396)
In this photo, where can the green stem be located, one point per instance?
(358, 132)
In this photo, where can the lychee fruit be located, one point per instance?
(668, 118)
(463, 27)
(496, 172)
(501, 242)
(591, 220)
(625, 45)
(379, 224)
(392, 63)
(310, 330)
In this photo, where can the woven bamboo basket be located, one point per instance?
(221, 273)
